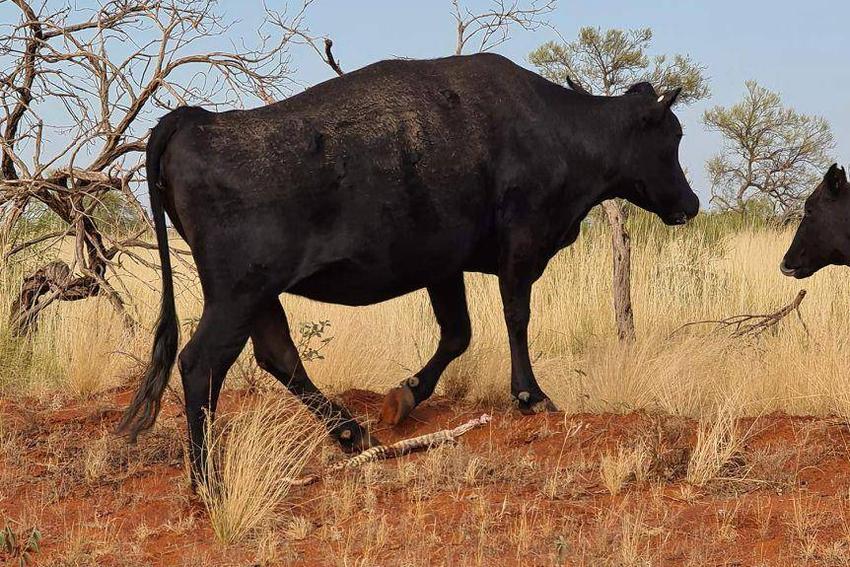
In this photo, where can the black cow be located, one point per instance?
(823, 237)
(400, 176)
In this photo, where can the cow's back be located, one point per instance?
(386, 170)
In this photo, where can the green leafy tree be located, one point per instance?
(770, 153)
(608, 63)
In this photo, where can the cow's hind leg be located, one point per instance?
(448, 299)
(276, 354)
(221, 335)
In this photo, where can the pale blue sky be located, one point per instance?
(799, 49)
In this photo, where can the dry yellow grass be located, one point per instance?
(718, 441)
(250, 456)
(617, 468)
(679, 277)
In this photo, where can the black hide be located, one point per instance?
(400, 176)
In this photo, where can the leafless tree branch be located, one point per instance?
(491, 28)
(752, 326)
(79, 89)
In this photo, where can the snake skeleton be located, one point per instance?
(397, 449)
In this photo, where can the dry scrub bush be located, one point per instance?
(251, 455)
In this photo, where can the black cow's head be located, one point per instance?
(650, 174)
(823, 237)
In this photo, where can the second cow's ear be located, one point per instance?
(577, 87)
(835, 178)
(669, 99)
(643, 88)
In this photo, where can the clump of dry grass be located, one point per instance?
(88, 351)
(718, 442)
(634, 545)
(252, 454)
(617, 468)
(97, 458)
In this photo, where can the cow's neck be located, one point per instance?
(598, 133)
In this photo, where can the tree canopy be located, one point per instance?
(770, 152)
(608, 62)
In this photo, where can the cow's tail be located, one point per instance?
(142, 412)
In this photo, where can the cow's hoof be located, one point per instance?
(528, 407)
(353, 438)
(397, 405)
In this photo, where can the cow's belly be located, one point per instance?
(343, 285)
(366, 271)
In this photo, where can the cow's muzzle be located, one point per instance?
(787, 270)
(677, 219)
(793, 271)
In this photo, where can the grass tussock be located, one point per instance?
(251, 454)
(717, 446)
(623, 465)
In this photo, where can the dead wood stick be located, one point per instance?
(34, 241)
(753, 325)
(330, 57)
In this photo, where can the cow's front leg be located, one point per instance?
(515, 283)
(276, 354)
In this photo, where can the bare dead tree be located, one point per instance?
(491, 27)
(301, 35)
(79, 91)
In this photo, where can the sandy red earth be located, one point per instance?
(520, 491)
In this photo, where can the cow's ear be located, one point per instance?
(577, 87)
(835, 178)
(642, 88)
(669, 99)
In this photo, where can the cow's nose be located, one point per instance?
(678, 218)
(786, 269)
(692, 208)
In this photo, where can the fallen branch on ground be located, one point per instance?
(753, 325)
(404, 447)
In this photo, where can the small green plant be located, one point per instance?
(312, 340)
(17, 547)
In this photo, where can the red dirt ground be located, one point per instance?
(495, 499)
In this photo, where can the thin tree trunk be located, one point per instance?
(14, 212)
(622, 254)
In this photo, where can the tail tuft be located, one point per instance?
(144, 408)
